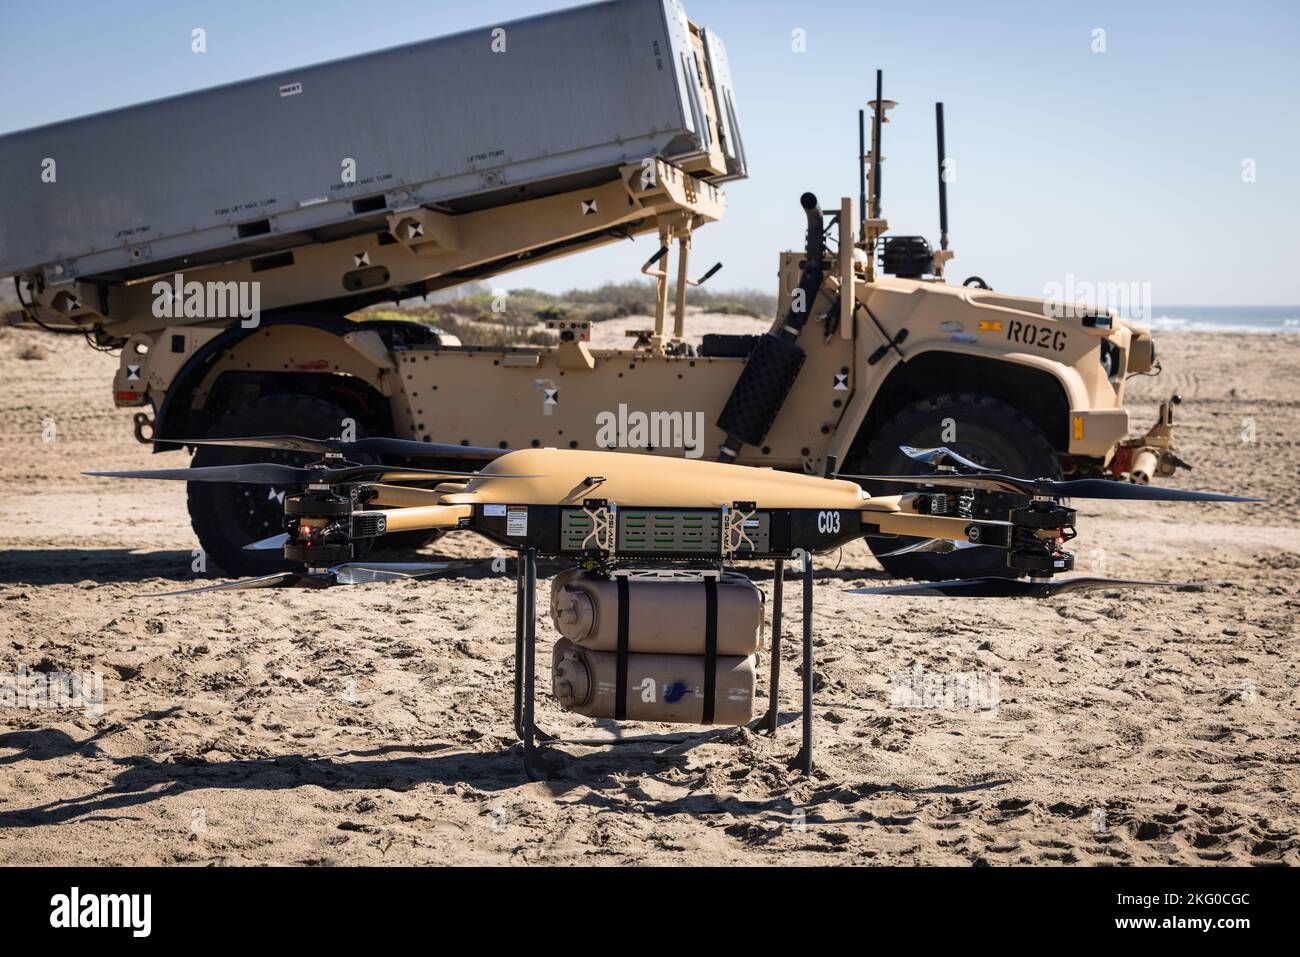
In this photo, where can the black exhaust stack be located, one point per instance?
(862, 177)
(764, 383)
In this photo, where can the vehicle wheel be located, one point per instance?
(988, 431)
(227, 516)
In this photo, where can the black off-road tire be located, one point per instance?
(228, 516)
(987, 430)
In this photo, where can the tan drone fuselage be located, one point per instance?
(568, 476)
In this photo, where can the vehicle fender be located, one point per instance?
(310, 344)
(885, 370)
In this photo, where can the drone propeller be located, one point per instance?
(375, 446)
(270, 473)
(1077, 488)
(348, 573)
(943, 458)
(1011, 587)
(271, 544)
(935, 546)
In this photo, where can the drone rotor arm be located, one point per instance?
(911, 524)
(424, 517)
(401, 496)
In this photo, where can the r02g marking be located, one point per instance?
(1040, 337)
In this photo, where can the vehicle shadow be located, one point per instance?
(67, 566)
(103, 566)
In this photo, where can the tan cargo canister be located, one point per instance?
(659, 687)
(666, 612)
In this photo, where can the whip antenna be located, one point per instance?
(943, 183)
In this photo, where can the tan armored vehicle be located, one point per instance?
(231, 291)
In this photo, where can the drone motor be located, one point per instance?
(1038, 530)
(319, 525)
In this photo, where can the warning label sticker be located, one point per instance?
(517, 520)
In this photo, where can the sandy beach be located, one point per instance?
(372, 725)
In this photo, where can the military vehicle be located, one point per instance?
(230, 278)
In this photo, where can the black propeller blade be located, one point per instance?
(943, 457)
(277, 580)
(270, 473)
(1011, 587)
(348, 573)
(1076, 488)
(934, 546)
(375, 446)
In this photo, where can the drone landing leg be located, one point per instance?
(534, 771)
(774, 687)
(519, 648)
(803, 760)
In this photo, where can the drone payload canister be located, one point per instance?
(654, 624)
(654, 616)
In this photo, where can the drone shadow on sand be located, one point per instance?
(143, 780)
(609, 778)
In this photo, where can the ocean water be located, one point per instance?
(1252, 319)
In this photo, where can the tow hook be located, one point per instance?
(1140, 460)
(143, 424)
(1148, 462)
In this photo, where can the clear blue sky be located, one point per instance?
(1115, 166)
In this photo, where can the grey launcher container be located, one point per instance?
(467, 121)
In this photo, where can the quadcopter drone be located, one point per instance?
(655, 626)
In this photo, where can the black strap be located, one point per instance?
(710, 648)
(620, 687)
